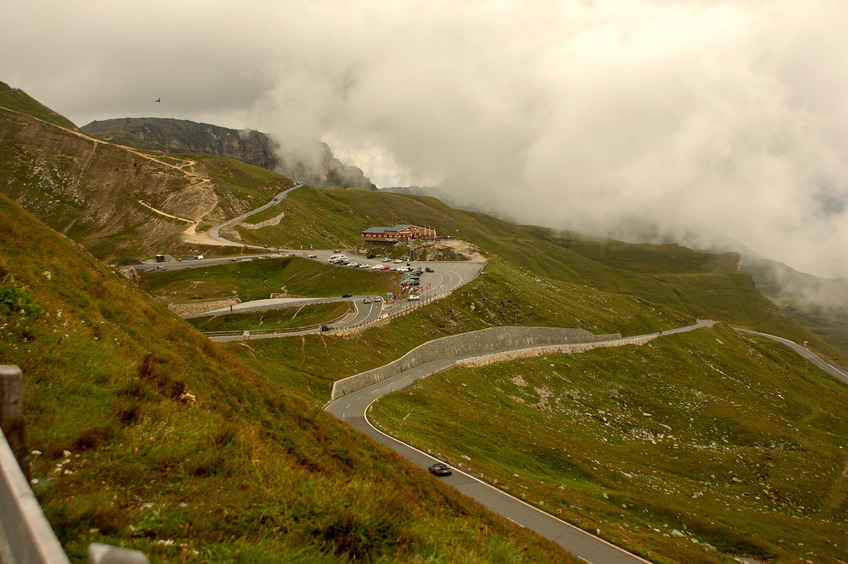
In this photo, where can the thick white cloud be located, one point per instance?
(694, 116)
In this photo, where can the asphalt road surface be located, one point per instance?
(446, 277)
(834, 371)
(353, 408)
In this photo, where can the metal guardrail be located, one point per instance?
(25, 534)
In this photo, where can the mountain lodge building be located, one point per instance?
(396, 233)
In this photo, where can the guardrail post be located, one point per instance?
(12, 420)
(106, 554)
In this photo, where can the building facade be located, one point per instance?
(396, 233)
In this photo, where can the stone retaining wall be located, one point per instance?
(493, 340)
(266, 223)
(202, 307)
(504, 356)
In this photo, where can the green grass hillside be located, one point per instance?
(257, 279)
(689, 449)
(251, 473)
(19, 101)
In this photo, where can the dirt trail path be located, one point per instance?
(160, 212)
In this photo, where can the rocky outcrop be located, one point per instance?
(308, 161)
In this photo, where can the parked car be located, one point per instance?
(440, 469)
(413, 297)
(398, 261)
(347, 295)
(428, 269)
(387, 259)
(311, 255)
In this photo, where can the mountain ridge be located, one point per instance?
(309, 161)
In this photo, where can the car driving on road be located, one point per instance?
(440, 469)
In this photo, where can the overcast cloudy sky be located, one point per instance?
(694, 117)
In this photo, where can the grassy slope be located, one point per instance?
(257, 279)
(732, 440)
(286, 318)
(252, 473)
(20, 101)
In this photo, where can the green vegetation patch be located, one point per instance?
(19, 101)
(730, 441)
(258, 278)
(248, 182)
(284, 318)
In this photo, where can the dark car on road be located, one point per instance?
(325, 328)
(440, 469)
(347, 295)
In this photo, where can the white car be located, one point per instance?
(378, 299)
(413, 297)
(363, 265)
(352, 264)
(387, 259)
(398, 261)
(377, 267)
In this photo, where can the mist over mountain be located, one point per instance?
(716, 116)
(305, 160)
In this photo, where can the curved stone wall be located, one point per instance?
(456, 348)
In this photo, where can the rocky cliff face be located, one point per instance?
(308, 161)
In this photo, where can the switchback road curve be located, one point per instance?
(353, 409)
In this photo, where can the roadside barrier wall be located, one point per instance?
(492, 340)
(503, 356)
(25, 534)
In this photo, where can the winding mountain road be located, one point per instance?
(834, 371)
(214, 232)
(353, 407)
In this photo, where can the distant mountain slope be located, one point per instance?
(92, 191)
(310, 161)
